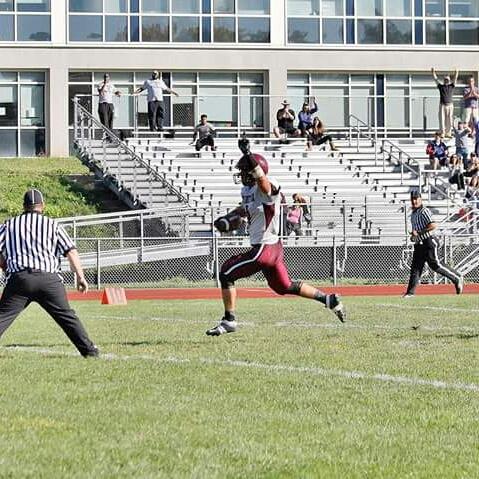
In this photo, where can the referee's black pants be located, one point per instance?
(48, 291)
(427, 252)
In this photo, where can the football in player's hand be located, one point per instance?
(230, 222)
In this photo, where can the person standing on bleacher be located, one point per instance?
(156, 111)
(446, 102)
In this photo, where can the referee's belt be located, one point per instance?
(30, 270)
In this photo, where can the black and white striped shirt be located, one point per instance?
(420, 219)
(33, 241)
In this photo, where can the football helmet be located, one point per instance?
(244, 176)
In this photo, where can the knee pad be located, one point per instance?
(225, 282)
(294, 287)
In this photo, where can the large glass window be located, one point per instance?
(155, 29)
(213, 93)
(90, 6)
(398, 8)
(393, 102)
(155, 6)
(224, 30)
(32, 105)
(333, 30)
(253, 30)
(29, 21)
(31, 28)
(116, 6)
(399, 32)
(253, 7)
(463, 33)
(303, 7)
(86, 28)
(22, 114)
(332, 8)
(435, 8)
(370, 31)
(182, 21)
(435, 32)
(7, 28)
(463, 8)
(185, 29)
(185, 6)
(303, 30)
(33, 5)
(8, 105)
(6, 6)
(116, 28)
(369, 8)
(224, 6)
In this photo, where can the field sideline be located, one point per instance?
(393, 393)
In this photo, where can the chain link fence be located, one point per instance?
(195, 262)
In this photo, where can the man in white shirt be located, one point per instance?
(155, 88)
(106, 110)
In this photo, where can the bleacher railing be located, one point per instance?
(256, 113)
(84, 135)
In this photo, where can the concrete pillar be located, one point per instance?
(277, 88)
(57, 118)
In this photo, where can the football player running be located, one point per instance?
(261, 205)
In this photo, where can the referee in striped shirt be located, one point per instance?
(30, 247)
(425, 248)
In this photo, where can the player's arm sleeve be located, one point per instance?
(65, 243)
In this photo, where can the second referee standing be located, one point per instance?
(425, 248)
(30, 246)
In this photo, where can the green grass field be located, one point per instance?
(295, 394)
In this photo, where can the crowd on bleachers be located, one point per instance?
(455, 146)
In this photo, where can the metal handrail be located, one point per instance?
(122, 145)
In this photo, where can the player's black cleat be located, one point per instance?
(333, 302)
(223, 327)
(460, 286)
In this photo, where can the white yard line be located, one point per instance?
(312, 370)
(302, 324)
(428, 308)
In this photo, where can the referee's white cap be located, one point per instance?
(33, 197)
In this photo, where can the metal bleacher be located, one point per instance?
(362, 189)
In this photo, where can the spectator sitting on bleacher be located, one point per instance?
(317, 136)
(461, 135)
(285, 117)
(305, 116)
(472, 190)
(456, 172)
(437, 151)
(205, 133)
(473, 166)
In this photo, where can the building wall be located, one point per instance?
(274, 59)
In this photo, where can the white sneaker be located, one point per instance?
(223, 327)
(460, 286)
(407, 296)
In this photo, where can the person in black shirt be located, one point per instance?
(30, 249)
(426, 248)
(446, 104)
(285, 117)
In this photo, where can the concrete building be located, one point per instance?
(371, 58)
